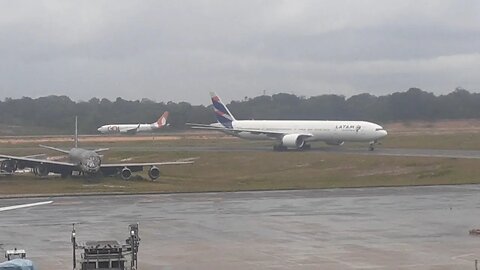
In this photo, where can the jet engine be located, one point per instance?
(154, 172)
(41, 170)
(293, 140)
(126, 173)
(9, 166)
(335, 142)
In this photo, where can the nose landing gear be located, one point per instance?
(371, 147)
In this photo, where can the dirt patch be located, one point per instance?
(396, 171)
(110, 138)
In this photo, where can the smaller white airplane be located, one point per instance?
(134, 128)
(13, 207)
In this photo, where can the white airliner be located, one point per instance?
(293, 133)
(134, 128)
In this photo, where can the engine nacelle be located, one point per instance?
(293, 141)
(41, 170)
(8, 166)
(126, 173)
(335, 142)
(154, 172)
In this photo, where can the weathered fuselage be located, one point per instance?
(87, 161)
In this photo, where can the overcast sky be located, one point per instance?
(181, 50)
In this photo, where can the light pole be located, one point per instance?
(132, 235)
(74, 245)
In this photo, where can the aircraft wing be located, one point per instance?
(193, 125)
(98, 150)
(13, 207)
(143, 164)
(31, 162)
(130, 130)
(111, 169)
(54, 148)
(270, 133)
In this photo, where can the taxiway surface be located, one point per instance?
(365, 228)
(407, 152)
(380, 151)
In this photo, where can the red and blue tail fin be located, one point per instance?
(223, 115)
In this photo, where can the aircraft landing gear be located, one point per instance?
(305, 147)
(279, 147)
(371, 147)
(65, 174)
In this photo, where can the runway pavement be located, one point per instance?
(374, 228)
(380, 151)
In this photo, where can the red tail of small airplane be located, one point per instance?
(162, 121)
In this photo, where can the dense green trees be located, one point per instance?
(56, 113)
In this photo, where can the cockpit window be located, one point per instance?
(379, 129)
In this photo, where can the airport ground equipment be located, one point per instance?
(17, 260)
(15, 254)
(109, 254)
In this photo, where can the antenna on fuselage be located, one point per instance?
(76, 131)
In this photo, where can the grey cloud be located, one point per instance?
(180, 50)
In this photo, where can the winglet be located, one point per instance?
(162, 121)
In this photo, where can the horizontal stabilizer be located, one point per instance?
(100, 150)
(54, 148)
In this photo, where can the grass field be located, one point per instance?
(222, 171)
(233, 171)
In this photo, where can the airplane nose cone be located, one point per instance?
(383, 132)
(380, 132)
(99, 129)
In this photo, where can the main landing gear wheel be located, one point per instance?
(279, 148)
(306, 147)
(66, 174)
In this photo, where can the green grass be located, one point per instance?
(263, 171)
(234, 171)
(461, 140)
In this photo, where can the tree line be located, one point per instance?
(56, 113)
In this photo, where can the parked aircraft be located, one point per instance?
(83, 161)
(293, 133)
(134, 128)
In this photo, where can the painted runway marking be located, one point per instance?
(13, 207)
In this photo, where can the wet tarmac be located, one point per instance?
(367, 228)
(379, 151)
